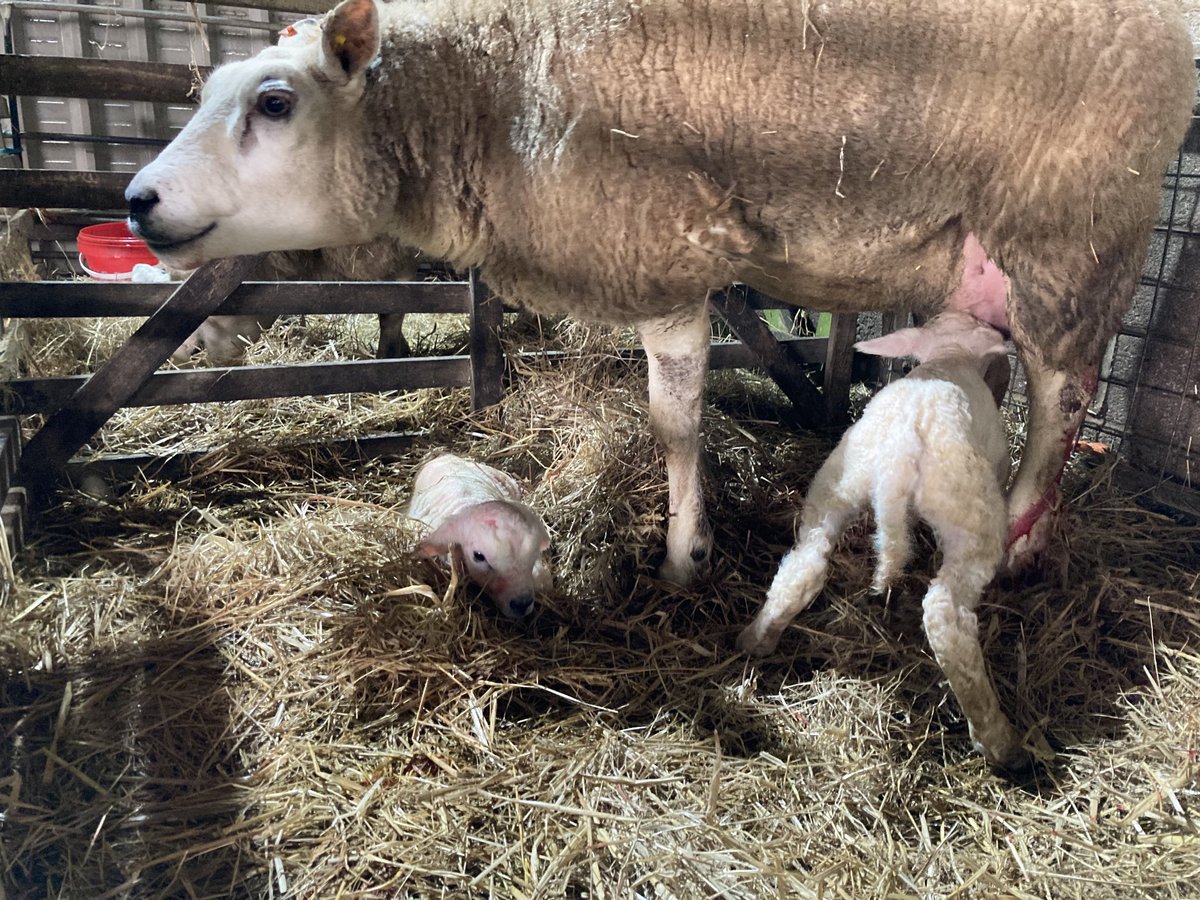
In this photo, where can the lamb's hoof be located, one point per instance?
(752, 643)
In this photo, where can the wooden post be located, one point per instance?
(13, 503)
(752, 331)
(839, 361)
(888, 369)
(487, 354)
(46, 455)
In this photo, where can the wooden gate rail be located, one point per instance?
(77, 407)
(782, 356)
(82, 405)
(73, 299)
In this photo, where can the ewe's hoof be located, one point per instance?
(681, 575)
(1008, 753)
(1016, 761)
(689, 567)
(1027, 540)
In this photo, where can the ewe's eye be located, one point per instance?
(478, 557)
(275, 104)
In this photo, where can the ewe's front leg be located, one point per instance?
(677, 350)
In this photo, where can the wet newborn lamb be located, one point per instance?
(932, 442)
(477, 521)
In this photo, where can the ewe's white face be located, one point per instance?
(258, 166)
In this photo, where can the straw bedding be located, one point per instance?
(243, 684)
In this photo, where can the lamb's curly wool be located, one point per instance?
(934, 444)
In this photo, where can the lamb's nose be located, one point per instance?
(520, 605)
(140, 203)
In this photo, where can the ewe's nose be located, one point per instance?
(141, 202)
(519, 606)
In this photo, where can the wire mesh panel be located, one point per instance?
(1156, 357)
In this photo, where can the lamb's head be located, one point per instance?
(499, 544)
(273, 157)
(950, 334)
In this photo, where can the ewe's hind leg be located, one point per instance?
(802, 572)
(1061, 324)
(677, 350)
(392, 342)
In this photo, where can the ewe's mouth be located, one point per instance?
(166, 246)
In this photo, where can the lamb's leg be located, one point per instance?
(803, 570)
(970, 560)
(677, 351)
(893, 536)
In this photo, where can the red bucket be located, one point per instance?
(109, 252)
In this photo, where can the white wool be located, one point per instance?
(933, 445)
(475, 518)
(448, 484)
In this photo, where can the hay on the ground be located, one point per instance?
(244, 684)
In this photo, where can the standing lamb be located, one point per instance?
(932, 443)
(619, 160)
(477, 520)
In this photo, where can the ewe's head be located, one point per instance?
(271, 160)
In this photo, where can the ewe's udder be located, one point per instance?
(983, 291)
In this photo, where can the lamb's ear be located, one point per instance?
(351, 38)
(905, 342)
(429, 548)
(439, 541)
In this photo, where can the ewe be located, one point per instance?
(620, 160)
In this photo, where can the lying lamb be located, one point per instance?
(932, 442)
(478, 522)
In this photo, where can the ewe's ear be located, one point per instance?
(905, 342)
(351, 38)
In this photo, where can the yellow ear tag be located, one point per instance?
(339, 40)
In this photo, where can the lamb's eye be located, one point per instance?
(478, 557)
(275, 104)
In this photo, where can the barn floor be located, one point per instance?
(242, 684)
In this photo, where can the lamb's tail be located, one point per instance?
(891, 498)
